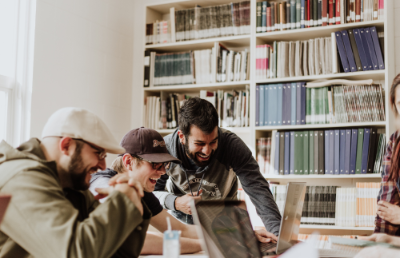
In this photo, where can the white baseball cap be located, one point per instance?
(82, 124)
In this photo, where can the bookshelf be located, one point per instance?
(158, 10)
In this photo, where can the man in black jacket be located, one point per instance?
(212, 160)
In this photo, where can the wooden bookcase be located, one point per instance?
(250, 134)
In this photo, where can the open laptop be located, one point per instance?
(226, 229)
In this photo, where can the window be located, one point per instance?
(17, 20)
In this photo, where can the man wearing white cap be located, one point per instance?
(52, 213)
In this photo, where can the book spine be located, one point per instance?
(303, 104)
(372, 150)
(337, 155)
(353, 152)
(293, 12)
(287, 153)
(355, 50)
(298, 103)
(259, 17)
(303, 14)
(293, 154)
(378, 51)
(366, 49)
(276, 156)
(281, 153)
(321, 162)
(305, 152)
(331, 152)
(348, 154)
(317, 153)
(298, 14)
(342, 52)
(262, 107)
(328, 148)
(279, 105)
(342, 150)
(371, 49)
(349, 52)
(324, 13)
(331, 15)
(366, 143)
(269, 19)
(311, 152)
(338, 13)
(360, 141)
(293, 103)
(264, 16)
(358, 10)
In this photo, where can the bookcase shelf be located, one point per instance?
(308, 33)
(320, 126)
(197, 87)
(305, 226)
(375, 75)
(230, 41)
(239, 130)
(305, 177)
(157, 9)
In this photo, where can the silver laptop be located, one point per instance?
(226, 229)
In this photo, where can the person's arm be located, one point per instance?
(383, 238)
(378, 252)
(166, 199)
(154, 244)
(101, 182)
(253, 183)
(44, 223)
(388, 191)
(160, 222)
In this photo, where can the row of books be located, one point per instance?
(232, 106)
(201, 22)
(296, 14)
(158, 32)
(295, 104)
(356, 207)
(333, 205)
(334, 152)
(196, 67)
(296, 58)
(161, 112)
(360, 49)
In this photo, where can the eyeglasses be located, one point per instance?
(101, 153)
(156, 166)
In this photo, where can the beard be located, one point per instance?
(77, 171)
(192, 155)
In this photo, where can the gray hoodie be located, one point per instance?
(231, 160)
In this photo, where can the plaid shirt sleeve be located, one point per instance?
(388, 191)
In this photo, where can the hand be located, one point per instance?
(131, 181)
(183, 203)
(383, 238)
(389, 212)
(124, 188)
(264, 236)
(377, 252)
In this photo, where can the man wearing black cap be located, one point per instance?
(145, 160)
(212, 161)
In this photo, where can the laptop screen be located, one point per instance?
(227, 229)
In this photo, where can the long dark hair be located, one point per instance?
(395, 159)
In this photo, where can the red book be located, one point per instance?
(337, 18)
(358, 10)
(331, 18)
(308, 14)
(324, 12)
(269, 19)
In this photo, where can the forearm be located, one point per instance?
(154, 244)
(190, 232)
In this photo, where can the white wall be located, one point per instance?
(83, 58)
(397, 35)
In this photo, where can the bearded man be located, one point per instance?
(212, 161)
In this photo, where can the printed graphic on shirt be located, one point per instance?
(210, 190)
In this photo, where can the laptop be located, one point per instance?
(226, 230)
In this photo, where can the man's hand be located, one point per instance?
(183, 203)
(383, 238)
(264, 236)
(389, 212)
(126, 185)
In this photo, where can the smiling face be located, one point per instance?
(200, 146)
(144, 172)
(84, 162)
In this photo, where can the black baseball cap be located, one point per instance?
(147, 144)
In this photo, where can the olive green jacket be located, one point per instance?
(43, 220)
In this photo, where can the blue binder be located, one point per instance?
(298, 104)
(272, 105)
(257, 105)
(361, 50)
(327, 150)
(349, 51)
(279, 105)
(293, 104)
(371, 48)
(348, 152)
(276, 161)
(378, 51)
(342, 52)
(366, 49)
(266, 105)
(336, 166)
(262, 103)
(342, 148)
(331, 152)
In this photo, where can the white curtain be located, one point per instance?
(17, 23)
